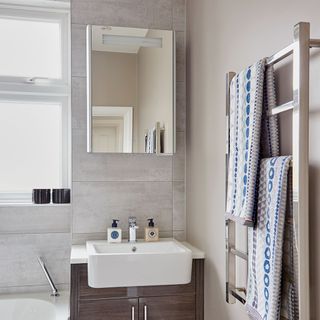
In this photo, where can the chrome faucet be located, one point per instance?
(133, 229)
(55, 292)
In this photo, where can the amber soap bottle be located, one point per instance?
(151, 232)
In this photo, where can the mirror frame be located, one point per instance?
(89, 96)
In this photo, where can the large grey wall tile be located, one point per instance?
(117, 167)
(179, 15)
(162, 14)
(179, 159)
(35, 219)
(19, 258)
(179, 206)
(97, 203)
(130, 13)
(81, 238)
(79, 103)
(78, 50)
(180, 57)
(180, 235)
(181, 106)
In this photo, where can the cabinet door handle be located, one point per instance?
(132, 312)
(145, 312)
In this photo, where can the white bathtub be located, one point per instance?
(34, 306)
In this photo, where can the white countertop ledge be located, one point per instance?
(79, 252)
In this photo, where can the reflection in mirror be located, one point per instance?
(131, 91)
(112, 129)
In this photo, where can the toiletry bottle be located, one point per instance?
(114, 233)
(151, 233)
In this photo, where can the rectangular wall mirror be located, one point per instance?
(130, 90)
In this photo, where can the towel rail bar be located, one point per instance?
(234, 292)
(230, 225)
(288, 51)
(282, 54)
(282, 108)
(239, 253)
(315, 43)
(238, 297)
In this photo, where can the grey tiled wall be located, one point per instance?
(104, 186)
(27, 232)
(116, 186)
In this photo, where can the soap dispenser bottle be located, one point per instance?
(151, 233)
(114, 233)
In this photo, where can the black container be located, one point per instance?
(41, 196)
(60, 195)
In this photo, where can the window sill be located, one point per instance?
(28, 204)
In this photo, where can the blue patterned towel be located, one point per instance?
(265, 242)
(252, 134)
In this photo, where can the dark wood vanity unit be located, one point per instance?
(177, 302)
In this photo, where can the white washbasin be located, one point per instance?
(112, 265)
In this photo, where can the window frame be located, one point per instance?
(24, 89)
(44, 16)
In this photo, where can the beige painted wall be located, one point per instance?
(114, 79)
(155, 70)
(227, 36)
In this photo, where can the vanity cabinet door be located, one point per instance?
(122, 309)
(167, 308)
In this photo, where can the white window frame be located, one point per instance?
(24, 89)
(49, 85)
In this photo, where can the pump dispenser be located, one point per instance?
(151, 232)
(114, 233)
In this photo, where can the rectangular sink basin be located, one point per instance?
(112, 265)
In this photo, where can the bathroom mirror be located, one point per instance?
(130, 90)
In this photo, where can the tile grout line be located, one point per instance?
(34, 233)
(32, 285)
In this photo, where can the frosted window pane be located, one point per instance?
(30, 139)
(30, 48)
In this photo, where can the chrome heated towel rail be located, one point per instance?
(300, 52)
